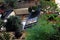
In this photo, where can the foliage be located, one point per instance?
(57, 19)
(1, 23)
(49, 17)
(32, 8)
(58, 10)
(44, 30)
(14, 24)
(57, 22)
(35, 7)
(5, 36)
(52, 16)
(48, 5)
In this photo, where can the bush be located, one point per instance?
(13, 24)
(41, 32)
(44, 30)
(52, 16)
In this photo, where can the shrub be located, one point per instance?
(52, 16)
(44, 30)
(13, 24)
